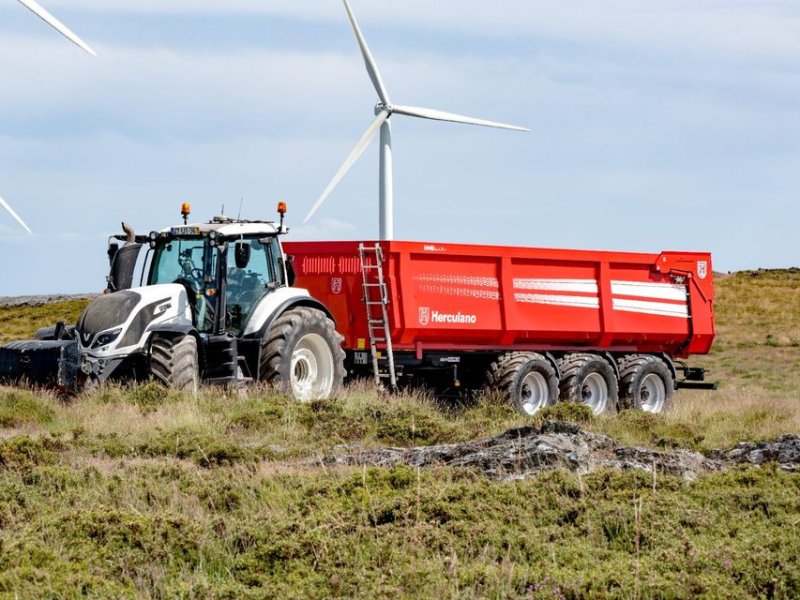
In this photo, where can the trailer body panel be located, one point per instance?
(476, 297)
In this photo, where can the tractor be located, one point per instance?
(210, 303)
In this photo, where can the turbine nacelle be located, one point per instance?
(381, 107)
(384, 109)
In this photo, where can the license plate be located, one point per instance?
(185, 231)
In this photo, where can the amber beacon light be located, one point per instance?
(282, 208)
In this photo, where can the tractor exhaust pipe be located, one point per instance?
(130, 233)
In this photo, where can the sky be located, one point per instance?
(658, 125)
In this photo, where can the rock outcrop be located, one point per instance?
(785, 451)
(520, 452)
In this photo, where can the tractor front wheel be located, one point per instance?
(173, 362)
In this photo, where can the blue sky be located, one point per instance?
(656, 125)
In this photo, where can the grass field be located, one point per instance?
(144, 493)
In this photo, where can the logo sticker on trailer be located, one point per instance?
(702, 269)
(424, 315)
(336, 285)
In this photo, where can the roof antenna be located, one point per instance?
(223, 210)
(241, 203)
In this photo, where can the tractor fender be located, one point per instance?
(275, 304)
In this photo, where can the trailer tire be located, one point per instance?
(302, 355)
(590, 379)
(646, 383)
(525, 379)
(173, 362)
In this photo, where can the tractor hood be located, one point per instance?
(120, 321)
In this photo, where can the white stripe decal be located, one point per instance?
(442, 290)
(556, 300)
(652, 308)
(587, 286)
(489, 282)
(658, 291)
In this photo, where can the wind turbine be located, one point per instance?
(40, 12)
(383, 113)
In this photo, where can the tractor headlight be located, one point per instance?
(104, 339)
(212, 239)
(153, 237)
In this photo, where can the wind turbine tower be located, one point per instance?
(384, 111)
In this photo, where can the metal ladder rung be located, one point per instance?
(377, 325)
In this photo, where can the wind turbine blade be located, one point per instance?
(369, 61)
(362, 144)
(438, 115)
(39, 11)
(5, 205)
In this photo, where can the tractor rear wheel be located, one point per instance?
(525, 379)
(302, 354)
(173, 362)
(646, 383)
(588, 378)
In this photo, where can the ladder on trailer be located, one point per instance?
(376, 300)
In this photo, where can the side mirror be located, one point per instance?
(242, 253)
(290, 274)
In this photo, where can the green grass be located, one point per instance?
(21, 322)
(169, 529)
(141, 492)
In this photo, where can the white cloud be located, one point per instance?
(747, 29)
(656, 125)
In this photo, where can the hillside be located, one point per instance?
(144, 493)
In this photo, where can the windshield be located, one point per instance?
(193, 263)
(183, 259)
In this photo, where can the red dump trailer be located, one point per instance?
(606, 328)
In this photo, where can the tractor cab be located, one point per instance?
(225, 267)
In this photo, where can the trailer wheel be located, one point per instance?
(525, 379)
(302, 354)
(173, 362)
(646, 383)
(589, 379)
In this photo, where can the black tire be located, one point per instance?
(302, 355)
(646, 383)
(590, 379)
(173, 362)
(525, 379)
